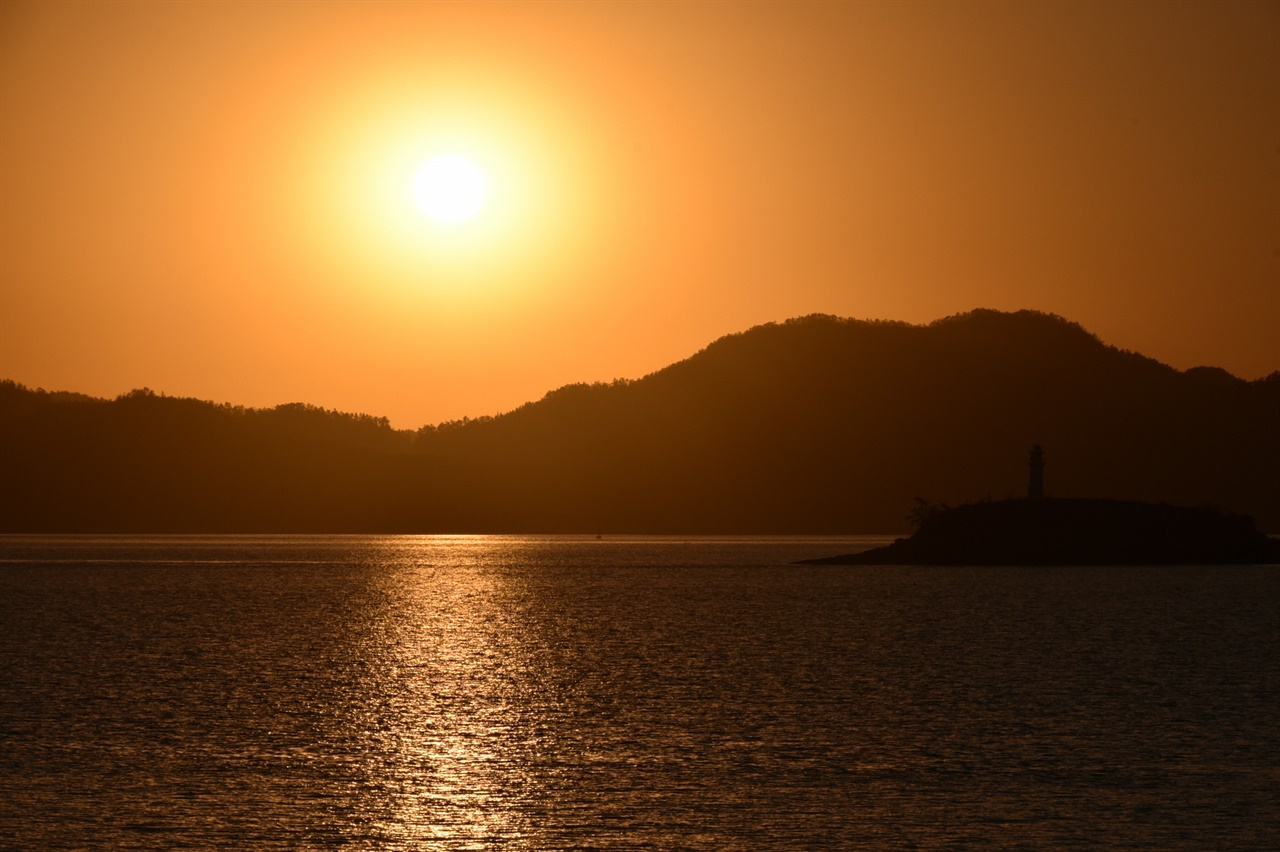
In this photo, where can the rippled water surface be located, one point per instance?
(563, 693)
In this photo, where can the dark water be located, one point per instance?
(544, 693)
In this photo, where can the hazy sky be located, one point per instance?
(216, 199)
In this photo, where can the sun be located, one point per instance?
(450, 188)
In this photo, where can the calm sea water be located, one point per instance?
(572, 693)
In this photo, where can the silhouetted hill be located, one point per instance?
(145, 462)
(817, 424)
(824, 424)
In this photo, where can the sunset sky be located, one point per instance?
(218, 199)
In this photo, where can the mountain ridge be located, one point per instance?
(815, 424)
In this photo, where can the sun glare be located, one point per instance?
(449, 188)
(470, 200)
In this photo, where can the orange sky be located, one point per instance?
(214, 200)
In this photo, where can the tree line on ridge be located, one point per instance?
(818, 424)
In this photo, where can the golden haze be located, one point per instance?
(215, 200)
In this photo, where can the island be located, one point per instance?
(1062, 531)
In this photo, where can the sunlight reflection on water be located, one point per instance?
(558, 693)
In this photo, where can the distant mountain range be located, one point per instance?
(817, 424)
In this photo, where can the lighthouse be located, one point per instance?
(1035, 486)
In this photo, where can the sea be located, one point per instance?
(610, 693)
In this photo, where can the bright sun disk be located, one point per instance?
(449, 188)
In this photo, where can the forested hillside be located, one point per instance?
(813, 425)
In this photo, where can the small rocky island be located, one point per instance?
(1075, 532)
(1054, 531)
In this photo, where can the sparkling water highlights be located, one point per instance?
(570, 693)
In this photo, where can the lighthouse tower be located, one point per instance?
(1035, 486)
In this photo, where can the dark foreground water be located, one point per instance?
(551, 693)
